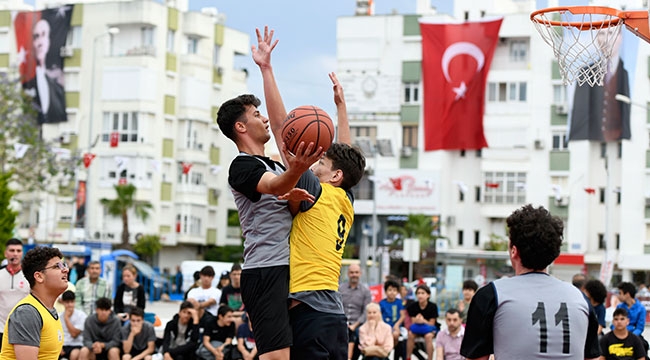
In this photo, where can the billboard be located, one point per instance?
(40, 35)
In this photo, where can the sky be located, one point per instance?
(307, 48)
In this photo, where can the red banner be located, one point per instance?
(456, 59)
(40, 36)
(81, 204)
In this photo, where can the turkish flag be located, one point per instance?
(88, 159)
(115, 139)
(456, 59)
(186, 167)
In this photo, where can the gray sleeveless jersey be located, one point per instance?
(266, 225)
(539, 317)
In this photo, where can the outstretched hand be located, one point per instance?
(265, 45)
(297, 194)
(338, 90)
(301, 160)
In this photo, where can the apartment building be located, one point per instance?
(528, 159)
(143, 82)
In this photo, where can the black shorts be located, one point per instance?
(353, 336)
(265, 293)
(67, 349)
(318, 335)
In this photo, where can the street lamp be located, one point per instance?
(381, 147)
(91, 118)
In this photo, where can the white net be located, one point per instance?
(582, 43)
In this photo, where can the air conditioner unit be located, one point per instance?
(539, 144)
(561, 109)
(66, 51)
(407, 151)
(562, 201)
(451, 220)
(65, 138)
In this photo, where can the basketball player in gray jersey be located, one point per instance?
(531, 315)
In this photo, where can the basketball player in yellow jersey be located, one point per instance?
(320, 228)
(33, 329)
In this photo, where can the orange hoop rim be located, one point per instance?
(617, 15)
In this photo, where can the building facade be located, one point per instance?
(528, 159)
(150, 76)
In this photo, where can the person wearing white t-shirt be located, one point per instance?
(206, 295)
(73, 321)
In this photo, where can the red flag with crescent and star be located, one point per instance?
(456, 59)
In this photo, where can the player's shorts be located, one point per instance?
(265, 293)
(318, 335)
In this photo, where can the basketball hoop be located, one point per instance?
(582, 38)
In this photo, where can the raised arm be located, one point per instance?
(343, 133)
(272, 97)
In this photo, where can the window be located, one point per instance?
(411, 93)
(507, 92)
(601, 195)
(505, 187)
(619, 147)
(195, 225)
(461, 196)
(191, 136)
(462, 153)
(410, 136)
(197, 178)
(147, 36)
(171, 34)
(74, 37)
(518, 50)
(192, 44)
(479, 153)
(618, 196)
(188, 224)
(369, 132)
(460, 237)
(124, 123)
(601, 241)
(603, 150)
(477, 238)
(560, 141)
(477, 194)
(559, 94)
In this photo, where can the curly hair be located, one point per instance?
(36, 259)
(537, 235)
(232, 111)
(596, 290)
(348, 159)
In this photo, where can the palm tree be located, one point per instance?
(421, 227)
(120, 206)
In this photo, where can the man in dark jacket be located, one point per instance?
(182, 334)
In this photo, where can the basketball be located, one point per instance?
(309, 124)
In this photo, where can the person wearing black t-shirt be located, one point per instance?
(423, 314)
(620, 344)
(217, 336)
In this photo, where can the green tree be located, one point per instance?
(423, 228)
(7, 215)
(120, 206)
(34, 170)
(228, 253)
(147, 246)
